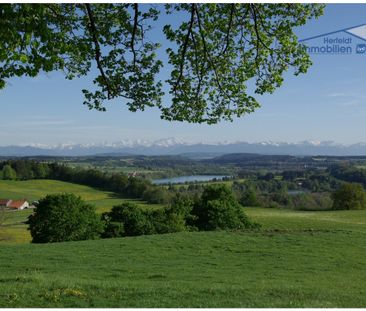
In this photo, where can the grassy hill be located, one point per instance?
(298, 259)
(212, 269)
(15, 230)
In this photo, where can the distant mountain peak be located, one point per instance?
(172, 145)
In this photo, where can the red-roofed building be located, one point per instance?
(4, 202)
(18, 204)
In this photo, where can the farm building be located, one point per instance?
(14, 204)
(4, 202)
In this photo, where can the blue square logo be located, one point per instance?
(361, 49)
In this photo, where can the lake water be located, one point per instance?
(296, 192)
(184, 179)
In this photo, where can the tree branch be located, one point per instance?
(229, 29)
(207, 55)
(199, 74)
(259, 39)
(135, 24)
(185, 45)
(94, 32)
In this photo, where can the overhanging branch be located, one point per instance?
(94, 32)
(185, 45)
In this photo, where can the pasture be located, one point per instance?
(14, 229)
(203, 269)
(298, 259)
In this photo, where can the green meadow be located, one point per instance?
(14, 229)
(297, 259)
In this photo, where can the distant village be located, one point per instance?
(16, 205)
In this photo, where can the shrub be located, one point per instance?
(177, 216)
(8, 173)
(156, 195)
(112, 229)
(312, 202)
(273, 200)
(350, 196)
(218, 209)
(249, 198)
(64, 217)
(127, 219)
(166, 221)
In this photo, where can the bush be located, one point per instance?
(156, 195)
(273, 200)
(166, 221)
(112, 229)
(312, 202)
(127, 219)
(350, 196)
(249, 198)
(8, 173)
(218, 209)
(64, 217)
(173, 218)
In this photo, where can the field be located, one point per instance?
(298, 259)
(15, 230)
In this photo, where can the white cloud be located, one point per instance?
(348, 99)
(337, 95)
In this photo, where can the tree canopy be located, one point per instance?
(350, 196)
(8, 173)
(218, 208)
(212, 55)
(64, 217)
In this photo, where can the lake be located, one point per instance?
(296, 192)
(184, 179)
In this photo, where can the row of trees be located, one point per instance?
(118, 182)
(66, 217)
(349, 173)
(350, 196)
(259, 190)
(346, 196)
(23, 170)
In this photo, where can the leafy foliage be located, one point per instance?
(349, 196)
(128, 219)
(249, 197)
(213, 53)
(218, 209)
(8, 173)
(312, 202)
(64, 217)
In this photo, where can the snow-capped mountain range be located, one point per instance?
(174, 146)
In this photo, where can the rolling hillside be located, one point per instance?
(15, 230)
(297, 259)
(290, 267)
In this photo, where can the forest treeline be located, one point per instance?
(309, 189)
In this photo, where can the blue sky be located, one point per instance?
(326, 104)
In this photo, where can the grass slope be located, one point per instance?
(282, 219)
(299, 259)
(213, 269)
(15, 231)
